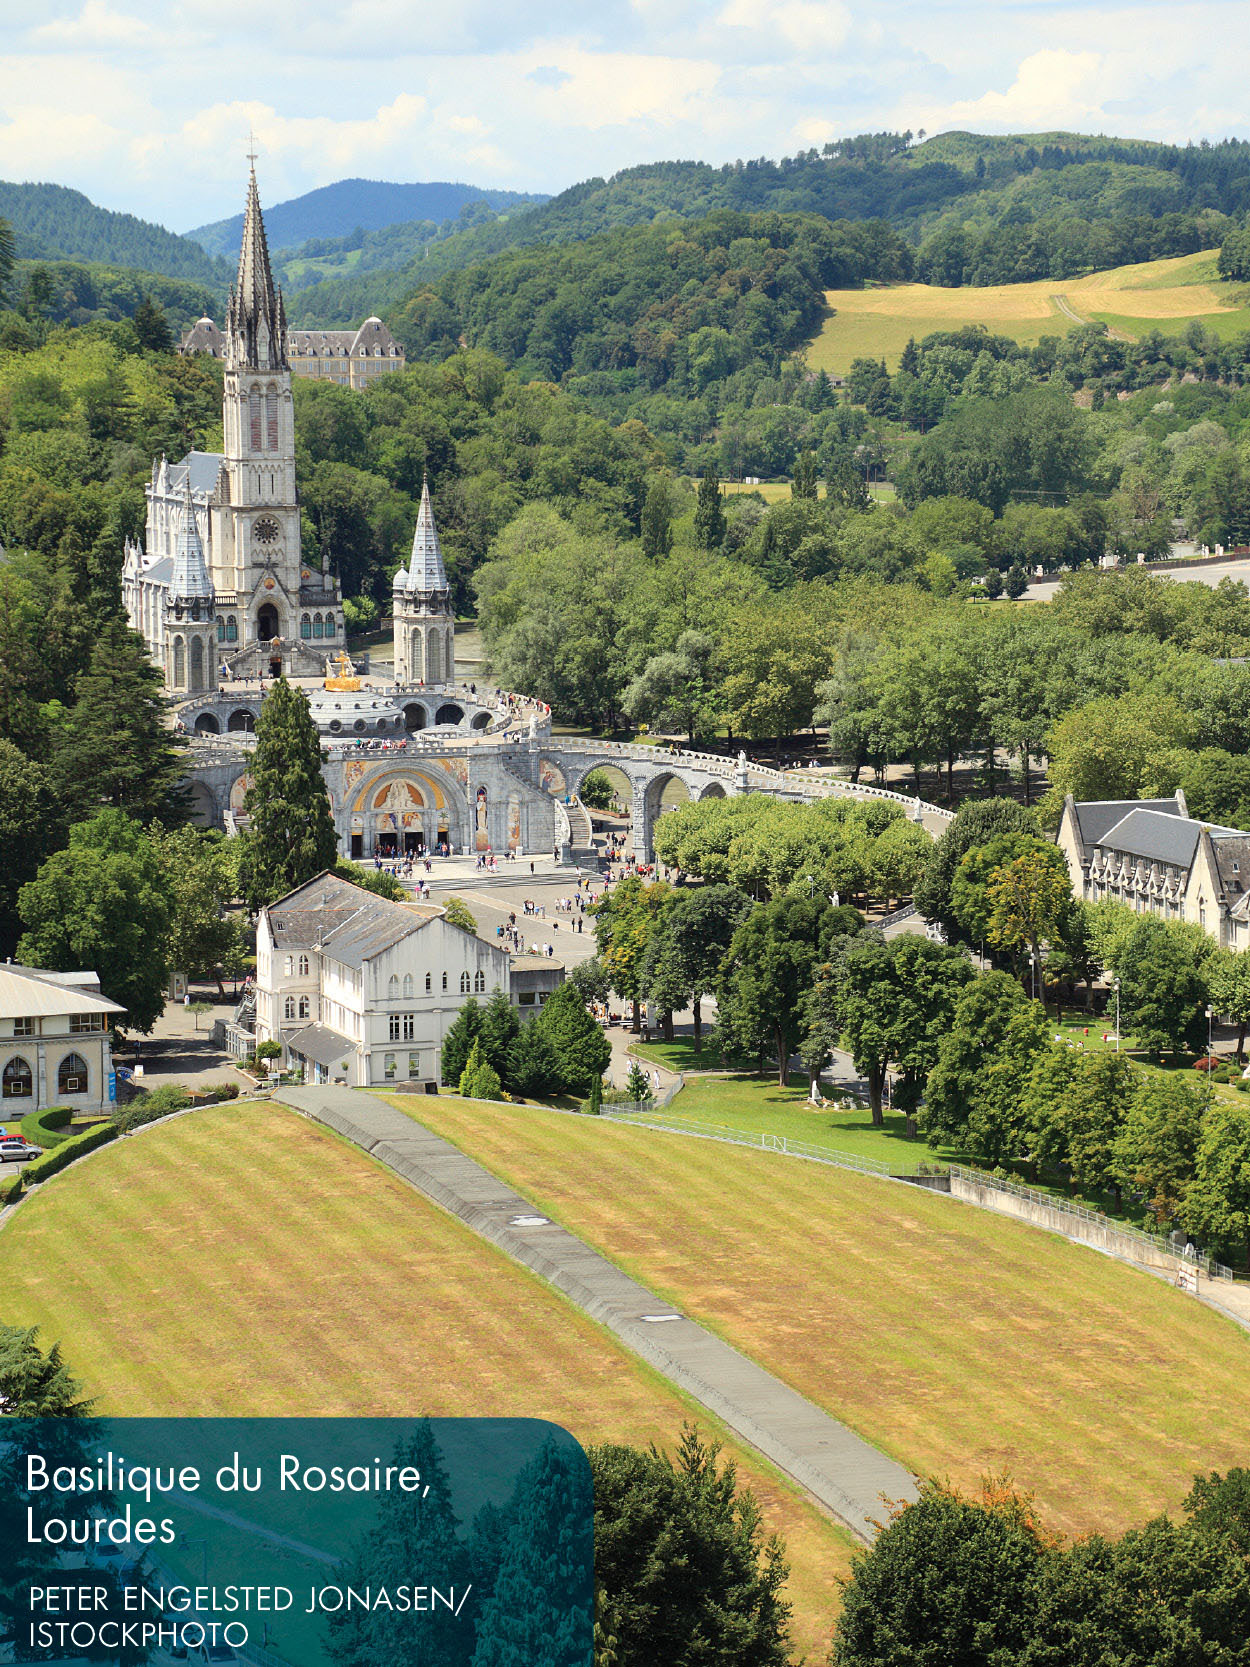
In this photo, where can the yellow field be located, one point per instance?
(241, 1261)
(1162, 294)
(959, 1341)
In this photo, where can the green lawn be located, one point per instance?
(962, 1342)
(242, 1261)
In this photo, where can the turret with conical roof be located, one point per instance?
(190, 580)
(256, 314)
(425, 628)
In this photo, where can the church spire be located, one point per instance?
(190, 581)
(256, 316)
(425, 569)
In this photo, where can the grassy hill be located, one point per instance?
(1161, 295)
(53, 222)
(958, 1341)
(243, 1261)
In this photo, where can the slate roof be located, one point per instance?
(203, 337)
(363, 343)
(1159, 837)
(350, 924)
(190, 581)
(1096, 817)
(199, 470)
(321, 1044)
(1232, 848)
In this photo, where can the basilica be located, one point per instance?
(219, 587)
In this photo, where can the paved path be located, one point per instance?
(845, 1474)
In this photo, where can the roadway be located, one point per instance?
(1237, 568)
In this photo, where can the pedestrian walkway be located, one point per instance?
(846, 1475)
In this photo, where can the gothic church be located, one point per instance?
(218, 587)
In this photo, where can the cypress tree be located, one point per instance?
(581, 1049)
(657, 519)
(804, 482)
(291, 835)
(458, 1041)
(709, 514)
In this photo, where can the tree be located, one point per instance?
(676, 689)
(200, 882)
(290, 836)
(1162, 989)
(34, 1384)
(1090, 1117)
(456, 912)
(27, 822)
(459, 1040)
(976, 823)
(681, 1559)
(376, 880)
(765, 974)
(115, 747)
(1029, 897)
(949, 1579)
(1157, 1145)
(972, 902)
(709, 514)
(1228, 982)
(975, 1096)
(624, 923)
(803, 484)
(151, 327)
(1219, 1506)
(1216, 1209)
(657, 521)
(533, 1069)
(100, 906)
(479, 1080)
(583, 1053)
(497, 1030)
(638, 1083)
(686, 951)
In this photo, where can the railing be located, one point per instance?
(644, 1115)
(899, 914)
(1082, 1212)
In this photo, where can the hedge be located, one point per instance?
(43, 1128)
(38, 1169)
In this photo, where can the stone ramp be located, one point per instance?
(845, 1474)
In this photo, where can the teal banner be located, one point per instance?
(335, 1542)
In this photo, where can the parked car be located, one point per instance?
(13, 1149)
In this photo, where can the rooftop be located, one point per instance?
(32, 992)
(350, 924)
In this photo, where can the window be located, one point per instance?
(305, 1010)
(318, 625)
(409, 1026)
(407, 984)
(479, 981)
(18, 1084)
(80, 1024)
(414, 1065)
(305, 627)
(288, 1008)
(303, 966)
(232, 629)
(329, 625)
(221, 629)
(395, 1023)
(388, 1067)
(288, 965)
(429, 983)
(464, 983)
(392, 987)
(26, 1027)
(71, 1077)
(271, 421)
(444, 981)
(254, 418)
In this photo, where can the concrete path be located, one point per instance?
(844, 1473)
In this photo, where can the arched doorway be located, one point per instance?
(415, 716)
(482, 721)
(242, 719)
(267, 622)
(449, 715)
(203, 806)
(206, 724)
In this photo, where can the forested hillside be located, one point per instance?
(1028, 202)
(53, 222)
(349, 205)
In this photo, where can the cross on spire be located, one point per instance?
(252, 152)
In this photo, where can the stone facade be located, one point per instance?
(54, 1041)
(424, 626)
(352, 358)
(258, 608)
(1152, 856)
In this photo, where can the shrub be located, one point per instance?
(171, 1096)
(1209, 1062)
(39, 1169)
(11, 1190)
(44, 1128)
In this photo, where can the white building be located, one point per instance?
(54, 1041)
(361, 989)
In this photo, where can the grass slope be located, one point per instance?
(243, 1261)
(1164, 295)
(959, 1341)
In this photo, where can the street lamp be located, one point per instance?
(811, 885)
(1033, 971)
(1210, 1085)
(1115, 985)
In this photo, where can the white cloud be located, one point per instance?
(1053, 88)
(809, 25)
(97, 25)
(815, 131)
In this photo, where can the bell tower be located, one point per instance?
(260, 544)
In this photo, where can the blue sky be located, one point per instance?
(146, 104)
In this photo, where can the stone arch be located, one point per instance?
(482, 721)
(242, 719)
(713, 790)
(449, 713)
(238, 791)
(621, 781)
(415, 715)
(203, 806)
(268, 623)
(207, 724)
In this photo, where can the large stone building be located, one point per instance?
(54, 1041)
(352, 358)
(219, 579)
(1151, 855)
(424, 626)
(362, 990)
